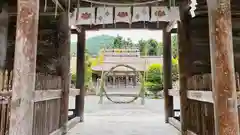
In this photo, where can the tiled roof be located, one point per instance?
(140, 63)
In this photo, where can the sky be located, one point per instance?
(134, 35)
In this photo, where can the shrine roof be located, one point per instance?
(140, 63)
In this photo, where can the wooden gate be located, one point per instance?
(47, 103)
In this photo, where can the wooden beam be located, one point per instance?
(167, 70)
(79, 104)
(43, 95)
(222, 67)
(21, 118)
(5, 93)
(184, 64)
(134, 25)
(40, 14)
(64, 51)
(171, 26)
(173, 92)
(3, 36)
(204, 96)
(74, 92)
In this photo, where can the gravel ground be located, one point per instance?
(123, 119)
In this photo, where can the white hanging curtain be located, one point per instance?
(159, 13)
(140, 14)
(86, 16)
(123, 14)
(174, 14)
(104, 15)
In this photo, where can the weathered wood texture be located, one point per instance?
(3, 36)
(46, 116)
(174, 122)
(167, 70)
(200, 38)
(71, 123)
(201, 114)
(64, 51)
(184, 64)
(222, 67)
(21, 118)
(5, 97)
(79, 104)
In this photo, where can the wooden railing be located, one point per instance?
(200, 105)
(43, 99)
(199, 95)
(40, 95)
(47, 104)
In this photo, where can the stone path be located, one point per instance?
(123, 119)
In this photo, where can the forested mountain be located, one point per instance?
(94, 44)
(148, 47)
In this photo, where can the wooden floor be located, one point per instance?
(123, 119)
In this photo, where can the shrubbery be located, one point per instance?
(87, 74)
(154, 76)
(175, 72)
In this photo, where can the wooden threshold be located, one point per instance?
(71, 124)
(177, 124)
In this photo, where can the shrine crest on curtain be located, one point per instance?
(140, 14)
(86, 16)
(159, 13)
(104, 15)
(123, 14)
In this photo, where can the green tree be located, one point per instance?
(142, 45)
(118, 42)
(152, 47)
(88, 72)
(159, 49)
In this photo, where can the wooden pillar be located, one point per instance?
(21, 118)
(114, 81)
(167, 72)
(222, 67)
(127, 80)
(64, 51)
(3, 36)
(184, 65)
(79, 104)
